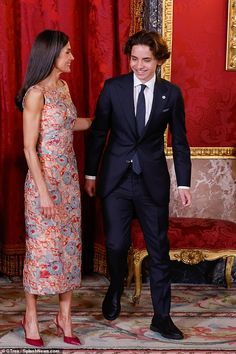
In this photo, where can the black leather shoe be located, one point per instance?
(111, 305)
(165, 326)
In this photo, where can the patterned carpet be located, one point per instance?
(206, 314)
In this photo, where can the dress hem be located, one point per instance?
(54, 293)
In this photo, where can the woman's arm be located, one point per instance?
(33, 106)
(82, 123)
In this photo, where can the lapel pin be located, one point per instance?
(164, 97)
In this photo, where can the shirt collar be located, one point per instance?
(150, 84)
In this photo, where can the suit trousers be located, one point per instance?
(131, 199)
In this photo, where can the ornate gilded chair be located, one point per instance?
(192, 240)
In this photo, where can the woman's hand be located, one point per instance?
(48, 208)
(82, 124)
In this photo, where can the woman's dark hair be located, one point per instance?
(44, 52)
(153, 40)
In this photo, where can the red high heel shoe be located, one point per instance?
(68, 340)
(34, 342)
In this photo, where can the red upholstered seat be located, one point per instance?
(192, 233)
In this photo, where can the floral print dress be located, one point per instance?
(53, 246)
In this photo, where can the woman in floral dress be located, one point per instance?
(52, 194)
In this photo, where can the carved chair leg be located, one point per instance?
(138, 258)
(228, 270)
(137, 278)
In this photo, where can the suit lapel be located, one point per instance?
(127, 101)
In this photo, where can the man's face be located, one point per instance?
(143, 63)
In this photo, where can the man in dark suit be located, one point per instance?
(131, 117)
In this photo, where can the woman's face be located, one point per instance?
(63, 62)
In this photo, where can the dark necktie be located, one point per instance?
(140, 123)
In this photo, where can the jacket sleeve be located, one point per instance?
(180, 146)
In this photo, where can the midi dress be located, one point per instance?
(53, 246)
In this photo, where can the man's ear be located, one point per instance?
(160, 62)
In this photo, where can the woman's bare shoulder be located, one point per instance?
(34, 96)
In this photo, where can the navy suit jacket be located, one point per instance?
(114, 128)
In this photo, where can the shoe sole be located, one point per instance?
(111, 318)
(155, 329)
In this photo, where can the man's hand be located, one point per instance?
(185, 196)
(90, 187)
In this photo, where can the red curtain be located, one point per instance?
(97, 31)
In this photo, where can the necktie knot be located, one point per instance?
(143, 86)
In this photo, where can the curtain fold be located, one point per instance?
(12, 166)
(97, 31)
(109, 22)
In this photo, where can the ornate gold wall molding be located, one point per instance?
(167, 24)
(231, 36)
(136, 9)
(208, 152)
(167, 32)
